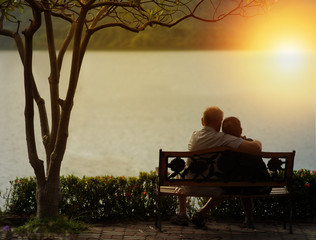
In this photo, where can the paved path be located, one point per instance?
(215, 231)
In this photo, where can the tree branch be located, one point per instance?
(112, 3)
(36, 163)
(53, 82)
(65, 45)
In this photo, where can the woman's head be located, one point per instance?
(232, 126)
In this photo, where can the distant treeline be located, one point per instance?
(190, 34)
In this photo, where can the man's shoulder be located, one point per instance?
(231, 141)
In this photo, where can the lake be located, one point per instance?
(131, 104)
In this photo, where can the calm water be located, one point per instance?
(131, 104)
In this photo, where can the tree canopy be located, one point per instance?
(188, 35)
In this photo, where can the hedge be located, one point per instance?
(103, 198)
(93, 199)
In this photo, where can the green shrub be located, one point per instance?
(304, 194)
(21, 199)
(103, 198)
(98, 198)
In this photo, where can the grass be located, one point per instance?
(43, 228)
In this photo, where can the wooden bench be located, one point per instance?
(172, 167)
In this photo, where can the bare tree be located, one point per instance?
(84, 18)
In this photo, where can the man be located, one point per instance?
(210, 136)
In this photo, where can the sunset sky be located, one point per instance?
(285, 40)
(288, 25)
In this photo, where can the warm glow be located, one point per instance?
(288, 25)
(290, 69)
(286, 37)
(289, 56)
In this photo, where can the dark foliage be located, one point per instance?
(104, 198)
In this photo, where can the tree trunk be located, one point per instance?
(48, 196)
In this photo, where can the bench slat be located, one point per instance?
(170, 190)
(177, 183)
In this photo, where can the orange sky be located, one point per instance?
(288, 22)
(283, 44)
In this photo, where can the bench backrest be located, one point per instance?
(173, 170)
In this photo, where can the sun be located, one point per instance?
(290, 68)
(289, 55)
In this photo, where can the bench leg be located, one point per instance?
(288, 213)
(285, 211)
(156, 216)
(158, 213)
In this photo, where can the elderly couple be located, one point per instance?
(210, 136)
